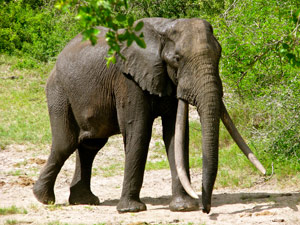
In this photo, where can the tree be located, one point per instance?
(260, 41)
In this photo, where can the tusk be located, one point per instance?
(239, 140)
(180, 126)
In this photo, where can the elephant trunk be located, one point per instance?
(209, 107)
(206, 94)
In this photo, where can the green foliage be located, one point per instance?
(260, 64)
(271, 123)
(260, 45)
(108, 13)
(34, 30)
(164, 8)
(287, 144)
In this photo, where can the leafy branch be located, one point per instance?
(290, 43)
(93, 13)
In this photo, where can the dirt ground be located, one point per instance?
(20, 166)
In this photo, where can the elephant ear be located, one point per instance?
(145, 65)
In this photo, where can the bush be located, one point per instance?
(271, 122)
(260, 64)
(260, 45)
(34, 30)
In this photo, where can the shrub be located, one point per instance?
(35, 30)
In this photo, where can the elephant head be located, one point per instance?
(182, 58)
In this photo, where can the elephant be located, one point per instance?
(89, 102)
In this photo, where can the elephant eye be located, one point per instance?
(177, 57)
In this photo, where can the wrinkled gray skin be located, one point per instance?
(89, 102)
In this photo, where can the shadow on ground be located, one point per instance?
(263, 201)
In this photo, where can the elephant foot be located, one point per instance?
(184, 203)
(130, 205)
(82, 196)
(43, 194)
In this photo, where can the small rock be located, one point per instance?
(2, 183)
(278, 220)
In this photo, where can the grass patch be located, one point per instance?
(11, 222)
(12, 210)
(112, 169)
(234, 167)
(157, 165)
(57, 223)
(235, 170)
(23, 114)
(53, 207)
(16, 172)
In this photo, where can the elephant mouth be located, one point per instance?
(181, 118)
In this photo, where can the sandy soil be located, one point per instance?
(20, 166)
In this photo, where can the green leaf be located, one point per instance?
(296, 16)
(282, 50)
(285, 46)
(139, 26)
(130, 21)
(121, 17)
(129, 42)
(140, 42)
(124, 36)
(91, 34)
(290, 56)
(125, 4)
(110, 60)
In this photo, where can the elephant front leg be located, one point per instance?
(136, 149)
(135, 119)
(181, 201)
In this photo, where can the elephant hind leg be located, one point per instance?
(63, 145)
(64, 142)
(80, 190)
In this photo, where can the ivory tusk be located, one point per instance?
(181, 118)
(239, 140)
